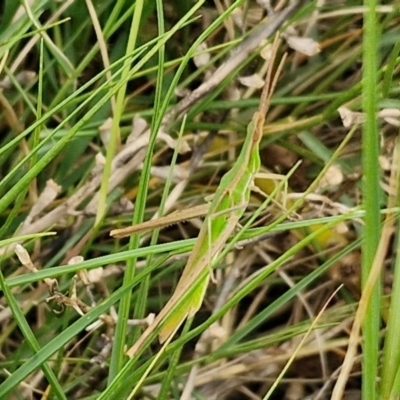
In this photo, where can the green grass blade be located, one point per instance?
(371, 189)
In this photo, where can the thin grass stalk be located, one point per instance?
(371, 189)
(140, 307)
(117, 354)
(390, 384)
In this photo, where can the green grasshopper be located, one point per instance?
(232, 194)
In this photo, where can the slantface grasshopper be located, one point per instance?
(232, 194)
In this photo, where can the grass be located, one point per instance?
(307, 291)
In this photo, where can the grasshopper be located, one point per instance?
(233, 193)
